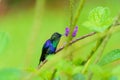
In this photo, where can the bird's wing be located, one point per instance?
(44, 50)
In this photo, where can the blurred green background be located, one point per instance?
(24, 38)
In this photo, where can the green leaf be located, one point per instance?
(65, 66)
(99, 19)
(110, 57)
(10, 74)
(3, 41)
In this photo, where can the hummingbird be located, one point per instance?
(50, 46)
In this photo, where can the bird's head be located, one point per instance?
(55, 36)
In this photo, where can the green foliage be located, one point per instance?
(3, 41)
(104, 73)
(64, 70)
(99, 19)
(10, 74)
(100, 73)
(110, 57)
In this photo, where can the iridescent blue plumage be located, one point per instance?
(50, 46)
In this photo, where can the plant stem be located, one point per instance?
(74, 20)
(87, 62)
(53, 74)
(104, 43)
(82, 2)
(71, 11)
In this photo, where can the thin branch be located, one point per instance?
(72, 42)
